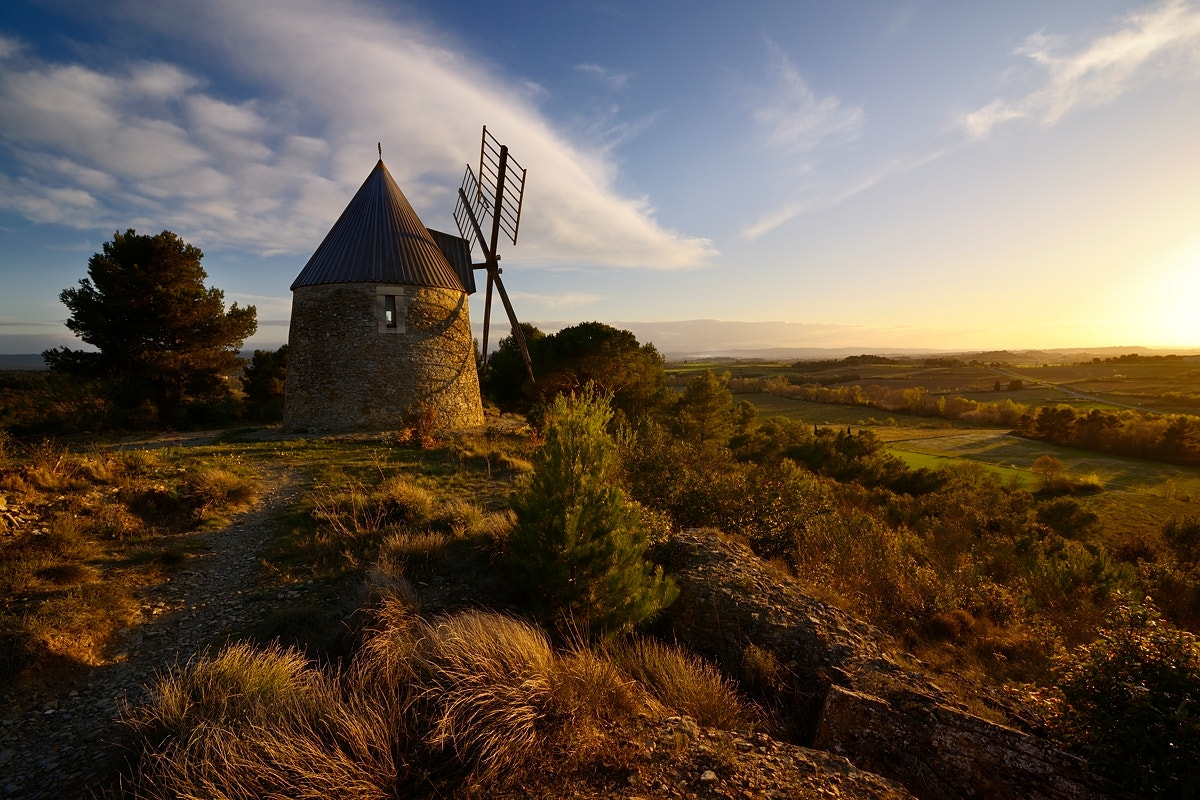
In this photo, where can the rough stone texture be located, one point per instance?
(681, 759)
(857, 696)
(729, 598)
(941, 753)
(665, 759)
(347, 372)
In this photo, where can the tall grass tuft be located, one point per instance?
(485, 694)
(486, 684)
(413, 553)
(217, 490)
(239, 685)
(461, 517)
(682, 681)
(261, 723)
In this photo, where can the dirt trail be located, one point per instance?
(64, 747)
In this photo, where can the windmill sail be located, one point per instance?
(493, 196)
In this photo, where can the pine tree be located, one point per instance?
(160, 333)
(579, 548)
(705, 414)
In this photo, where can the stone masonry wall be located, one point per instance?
(347, 371)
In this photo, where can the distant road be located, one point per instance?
(1072, 393)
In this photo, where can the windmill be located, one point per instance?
(494, 195)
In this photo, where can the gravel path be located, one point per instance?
(64, 747)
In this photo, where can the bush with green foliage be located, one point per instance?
(578, 549)
(1131, 703)
(1182, 535)
(565, 362)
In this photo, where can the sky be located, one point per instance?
(876, 175)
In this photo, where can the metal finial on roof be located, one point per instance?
(379, 147)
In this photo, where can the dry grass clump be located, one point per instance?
(683, 682)
(496, 527)
(462, 517)
(359, 510)
(412, 553)
(239, 684)
(486, 687)
(487, 695)
(73, 622)
(249, 723)
(214, 491)
(429, 707)
(404, 502)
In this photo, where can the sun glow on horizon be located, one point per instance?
(1170, 299)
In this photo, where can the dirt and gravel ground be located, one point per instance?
(63, 741)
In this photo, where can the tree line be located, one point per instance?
(1173, 439)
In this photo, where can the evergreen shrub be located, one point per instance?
(578, 548)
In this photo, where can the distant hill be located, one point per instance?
(22, 361)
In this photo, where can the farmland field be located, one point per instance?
(1168, 385)
(1137, 496)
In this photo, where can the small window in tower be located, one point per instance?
(389, 310)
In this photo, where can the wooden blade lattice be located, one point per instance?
(494, 196)
(483, 189)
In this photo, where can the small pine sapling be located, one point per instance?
(578, 549)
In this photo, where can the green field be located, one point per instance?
(1165, 385)
(769, 405)
(1138, 495)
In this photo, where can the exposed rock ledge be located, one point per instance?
(857, 698)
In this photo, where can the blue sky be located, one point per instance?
(860, 174)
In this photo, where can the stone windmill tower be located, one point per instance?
(380, 331)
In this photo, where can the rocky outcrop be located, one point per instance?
(729, 598)
(856, 694)
(942, 753)
(662, 759)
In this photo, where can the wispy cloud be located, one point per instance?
(153, 144)
(1160, 41)
(557, 302)
(819, 197)
(791, 117)
(613, 79)
(800, 125)
(8, 47)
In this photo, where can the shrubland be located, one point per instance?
(1002, 590)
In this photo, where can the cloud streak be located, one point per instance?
(1162, 41)
(557, 302)
(794, 121)
(151, 143)
(792, 118)
(613, 79)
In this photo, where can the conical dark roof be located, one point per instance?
(379, 239)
